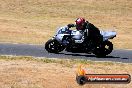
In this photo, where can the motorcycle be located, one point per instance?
(74, 41)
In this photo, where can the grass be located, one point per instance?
(31, 72)
(65, 62)
(35, 21)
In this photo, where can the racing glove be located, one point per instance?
(71, 25)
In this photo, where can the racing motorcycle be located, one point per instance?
(73, 41)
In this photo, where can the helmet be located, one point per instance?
(80, 23)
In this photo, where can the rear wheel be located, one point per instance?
(104, 49)
(53, 46)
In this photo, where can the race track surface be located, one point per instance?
(124, 56)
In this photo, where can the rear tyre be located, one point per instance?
(53, 46)
(104, 49)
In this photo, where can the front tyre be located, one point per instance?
(105, 48)
(53, 46)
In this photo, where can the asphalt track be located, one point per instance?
(119, 55)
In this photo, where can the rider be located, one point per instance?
(89, 30)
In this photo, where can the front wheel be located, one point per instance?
(53, 46)
(104, 49)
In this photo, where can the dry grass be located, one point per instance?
(35, 21)
(28, 72)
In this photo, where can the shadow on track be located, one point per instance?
(87, 55)
(125, 58)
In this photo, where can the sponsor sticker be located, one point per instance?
(83, 78)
